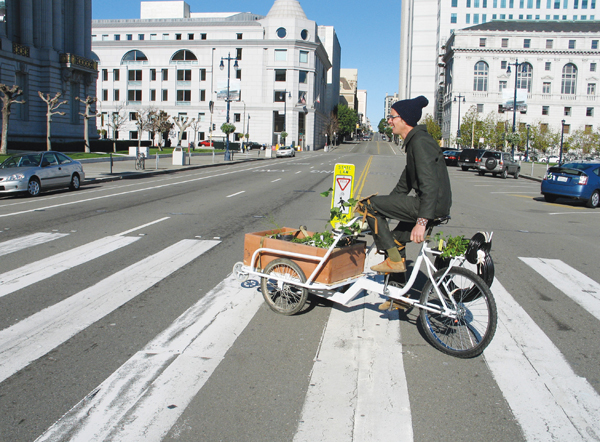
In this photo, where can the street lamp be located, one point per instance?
(527, 146)
(228, 99)
(286, 94)
(248, 130)
(516, 64)
(455, 100)
(562, 133)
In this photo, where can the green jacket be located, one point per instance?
(426, 173)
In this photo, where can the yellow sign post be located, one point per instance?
(343, 189)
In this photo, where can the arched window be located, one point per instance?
(134, 57)
(524, 76)
(569, 79)
(480, 77)
(184, 55)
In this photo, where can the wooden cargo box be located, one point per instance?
(343, 263)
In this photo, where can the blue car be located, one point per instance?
(578, 180)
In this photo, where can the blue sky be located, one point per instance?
(369, 33)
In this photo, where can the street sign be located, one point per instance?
(343, 188)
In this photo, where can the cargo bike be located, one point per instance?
(457, 310)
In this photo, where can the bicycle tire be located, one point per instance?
(467, 335)
(283, 297)
(143, 162)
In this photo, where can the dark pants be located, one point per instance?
(401, 207)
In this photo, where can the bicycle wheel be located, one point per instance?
(143, 162)
(280, 294)
(471, 330)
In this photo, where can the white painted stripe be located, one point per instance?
(37, 271)
(597, 212)
(577, 286)
(35, 336)
(274, 181)
(548, 399)
(361, 349)
(14, 245)
(235, 194)
(145, 225)
(133, 403)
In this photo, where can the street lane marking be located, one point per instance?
(39, 334)
(361, 349)
(236, 194)
(274, 181)
(547, 398)
(14, 245)
(142, 226)
(37, 271)
(575, 213)
(133, 403)
(577, 286)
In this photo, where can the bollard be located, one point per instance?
(111, 163)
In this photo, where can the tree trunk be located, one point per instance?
(5, 117)
(48, 143)
(86, 135)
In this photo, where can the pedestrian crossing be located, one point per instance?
(360, 349)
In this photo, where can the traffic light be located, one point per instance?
(214, 126)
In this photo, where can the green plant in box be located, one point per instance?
(451, 246)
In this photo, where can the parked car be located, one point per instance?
(34, 172)
(451, 157)
(206, 143)
(469, 158)
(253, 145)
(285, 151)
(553, 159)
(498, 163)
(579, 180)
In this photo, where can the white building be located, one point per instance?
(46, 46)
(426, 25)
(558, 72)
(169, 60)
(387, 104)
(348, 88)
(361, 96)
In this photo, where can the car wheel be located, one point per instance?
(504, 174)
(550, 198)
(464, 168)
(75, 182)
(491, 163)
(33, 188)
(517, 174)
(481, 173)
(594, 200)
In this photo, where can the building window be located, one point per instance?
(545, 110)
(280, 54)
(134, 95)
(549, 44)
(280, 74)
(116, 95)
(548, 66)
(592, 67)
(594, 44)
(468, 19)
(480, 108)
(524, 75)
(591, 89)
(152, 94)
(454, 3)
(164, 74)
(184, 95)
(567, 111)
(571, 44)
(502, 84)
(482, 42)
(238, 74)
(239, 36)
(480, 78)
(165, 95)
(569, 79)
(152, 74)
(527, 43)
(133, 134)
(303, 56)
(238, 53)
(279, 96)
(117, 37)
(177, 36)
(165, 36)
(201, 117)
(281, 32)
(505, 42)
(503, 65)
(303, 77)
(202, 95)
(104, 94)
(202, 36)
(202, 74)
(589, 112)
(453, 18)
(153, 37)
(184, 75)
(129, 36)
(500, 109)
(133, 116)
(135, 75)
(190, 36)
(567, 129)
(104, 74)
(588, 129)
(116, 75)
(140, 36)
(546, 87)
(237, 117)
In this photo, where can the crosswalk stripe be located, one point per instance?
(361, 350)
(35, 336)
(143, 399)
(547, 398)
(14, 245)
(577, 286)
(37, 271)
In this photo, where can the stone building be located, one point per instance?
(46, 46)
(170, 59)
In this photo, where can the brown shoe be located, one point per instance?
(397, 305)
(388, 266)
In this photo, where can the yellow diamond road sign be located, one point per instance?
(343, 188)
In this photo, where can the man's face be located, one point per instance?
(398, 124)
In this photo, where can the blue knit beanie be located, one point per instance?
(411, 110)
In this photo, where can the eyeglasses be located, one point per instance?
(392, 117)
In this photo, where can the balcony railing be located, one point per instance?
(76, 61)
(20, 49)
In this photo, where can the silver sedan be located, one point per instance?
(32, 172)
(285, 151)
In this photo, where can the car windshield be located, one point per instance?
(578, 166)
(30, 160)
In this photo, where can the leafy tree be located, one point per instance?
(116, 122)
(382, 125)
(542, 137)
(433, 128)
(332, 127)
(9, 97)
(584, 140)
(347, 120)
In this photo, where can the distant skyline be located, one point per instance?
(369, 36)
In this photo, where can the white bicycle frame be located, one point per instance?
(363, 281)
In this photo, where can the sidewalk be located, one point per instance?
(123, 167)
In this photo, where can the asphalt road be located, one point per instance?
(122, 321)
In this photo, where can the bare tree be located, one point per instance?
(116, 122)
(143, 122)
(8, 98)
(89, 102)
(182, 122)
(51, 104)
(195, 125)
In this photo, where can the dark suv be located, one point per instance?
(469, 158)
(499, 163)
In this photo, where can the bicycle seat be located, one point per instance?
(437, 221)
